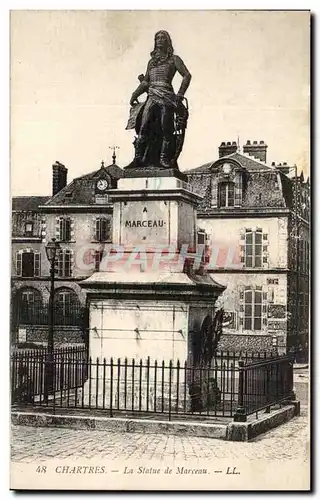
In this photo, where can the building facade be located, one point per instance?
(256, 219)
(79, 217)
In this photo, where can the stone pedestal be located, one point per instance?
(145, 303)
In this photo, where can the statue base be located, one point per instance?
(137, 172)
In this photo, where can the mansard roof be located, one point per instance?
(263, 185)
(244, 160)
(81, 191)
(28, 203)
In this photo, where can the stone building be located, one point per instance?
(79, 216)
(256, 220)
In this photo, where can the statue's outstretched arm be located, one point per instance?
(186, 76)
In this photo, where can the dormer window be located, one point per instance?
(226, 194)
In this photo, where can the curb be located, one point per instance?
(233, 431)
(214, 431)
(244, 431)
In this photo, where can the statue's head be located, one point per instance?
(163, 43)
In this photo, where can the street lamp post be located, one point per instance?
(51, 251)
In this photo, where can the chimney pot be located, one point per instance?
(258, 151)
(226, 148)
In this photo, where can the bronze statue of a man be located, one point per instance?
(160, 121)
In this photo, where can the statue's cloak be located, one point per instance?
(135, 116)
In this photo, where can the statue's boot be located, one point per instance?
(164, 159)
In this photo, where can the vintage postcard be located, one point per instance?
(160, 294)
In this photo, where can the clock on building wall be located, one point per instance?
(102, 185)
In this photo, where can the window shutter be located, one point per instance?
(67, 264)
(61, 229)
(238, 191)
(67, 229)
(37, 264)
(214, 193)
(107, 229)
(19, 264)
(98, 229)
(60, 263)
(103, 229)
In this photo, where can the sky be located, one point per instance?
(73, 73)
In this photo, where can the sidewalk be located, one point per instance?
(300, 366)
(301, 382)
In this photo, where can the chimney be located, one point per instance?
(59, 177)
(257, 150)
(227, 148)
(283, 167)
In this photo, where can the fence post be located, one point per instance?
(111, 386)
(170, 383)
(290, 377)
(240, 413)
(267, 395)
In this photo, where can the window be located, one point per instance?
(226, 194)
(252, 310)
(28, 228)
(28, 263)
(103, 229)
(30, 306)
(65, 229)
(64, 264)
(253, 248)
(30, 296)
(67, 307)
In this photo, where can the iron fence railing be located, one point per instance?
(262, 384)
(227, 387)
(30, 367)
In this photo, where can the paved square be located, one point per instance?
(38, 444)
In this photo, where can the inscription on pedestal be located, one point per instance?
(145, 222)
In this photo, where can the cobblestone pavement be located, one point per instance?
(30, 444)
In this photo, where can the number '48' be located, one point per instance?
(41, 469)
